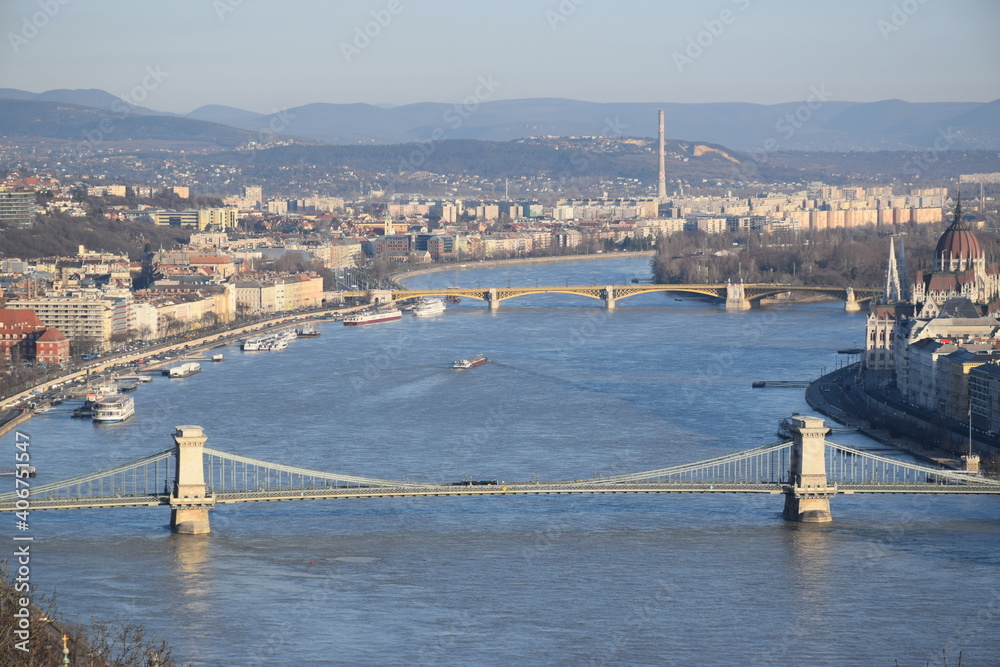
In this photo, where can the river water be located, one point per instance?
(573, 391)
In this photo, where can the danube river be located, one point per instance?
(572, 391)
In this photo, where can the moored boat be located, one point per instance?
(785, 428)
(251, 344)
(307, 331)
(428, 307)
(114, 409)
(183, 370)
(372, 318)
(471, 362)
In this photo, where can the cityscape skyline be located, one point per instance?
(265, 58)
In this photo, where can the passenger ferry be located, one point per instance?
(428, 308)
(183, 370)
(471, 362)
(251, 344)
(372, 318)
(114, 409)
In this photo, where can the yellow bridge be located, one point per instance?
(737, 296)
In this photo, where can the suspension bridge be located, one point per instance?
(737, 296)
(192, 479)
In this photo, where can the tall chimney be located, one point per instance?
(661, 192)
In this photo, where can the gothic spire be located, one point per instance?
(958, 223)
(904, 277)
(893, 292)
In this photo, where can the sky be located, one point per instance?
(265, 55)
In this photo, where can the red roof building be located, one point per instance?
(52, 347)
(20, 332)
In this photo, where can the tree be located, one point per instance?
(170, 325)
(101, 644)
(209, 320)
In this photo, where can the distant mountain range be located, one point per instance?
(821, 126)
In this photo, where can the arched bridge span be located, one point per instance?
(736, 295)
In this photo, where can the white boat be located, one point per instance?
(183, 370)
(114, 409)
(429, 308)
(273, 345)
(98, 392)
(218, 357)
(372, 318)
(252, 344)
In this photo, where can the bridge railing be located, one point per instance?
(768, 464)
(846, 465)
(147, 476)
(226, 473)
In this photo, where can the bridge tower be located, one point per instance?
(735, 297)
(492, 299)
(609, 297)
(851, 304)
(379, 297)
(190, 500)
(809, 498)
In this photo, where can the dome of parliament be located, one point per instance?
(957, 242)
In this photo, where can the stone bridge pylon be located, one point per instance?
(190, 500)
(808, 498)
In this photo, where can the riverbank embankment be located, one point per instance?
(95, 372)
(841, 396)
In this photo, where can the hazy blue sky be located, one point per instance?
(264, 55)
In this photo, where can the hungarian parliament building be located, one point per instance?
(937, 336)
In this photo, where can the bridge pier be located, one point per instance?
(735, 297)
(851, 305)
(492, 300)
(190, 500)
(808, 500)
(609, 297)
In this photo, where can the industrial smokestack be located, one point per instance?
(661, 192)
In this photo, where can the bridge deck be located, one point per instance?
(520, 489)
(751, 291)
